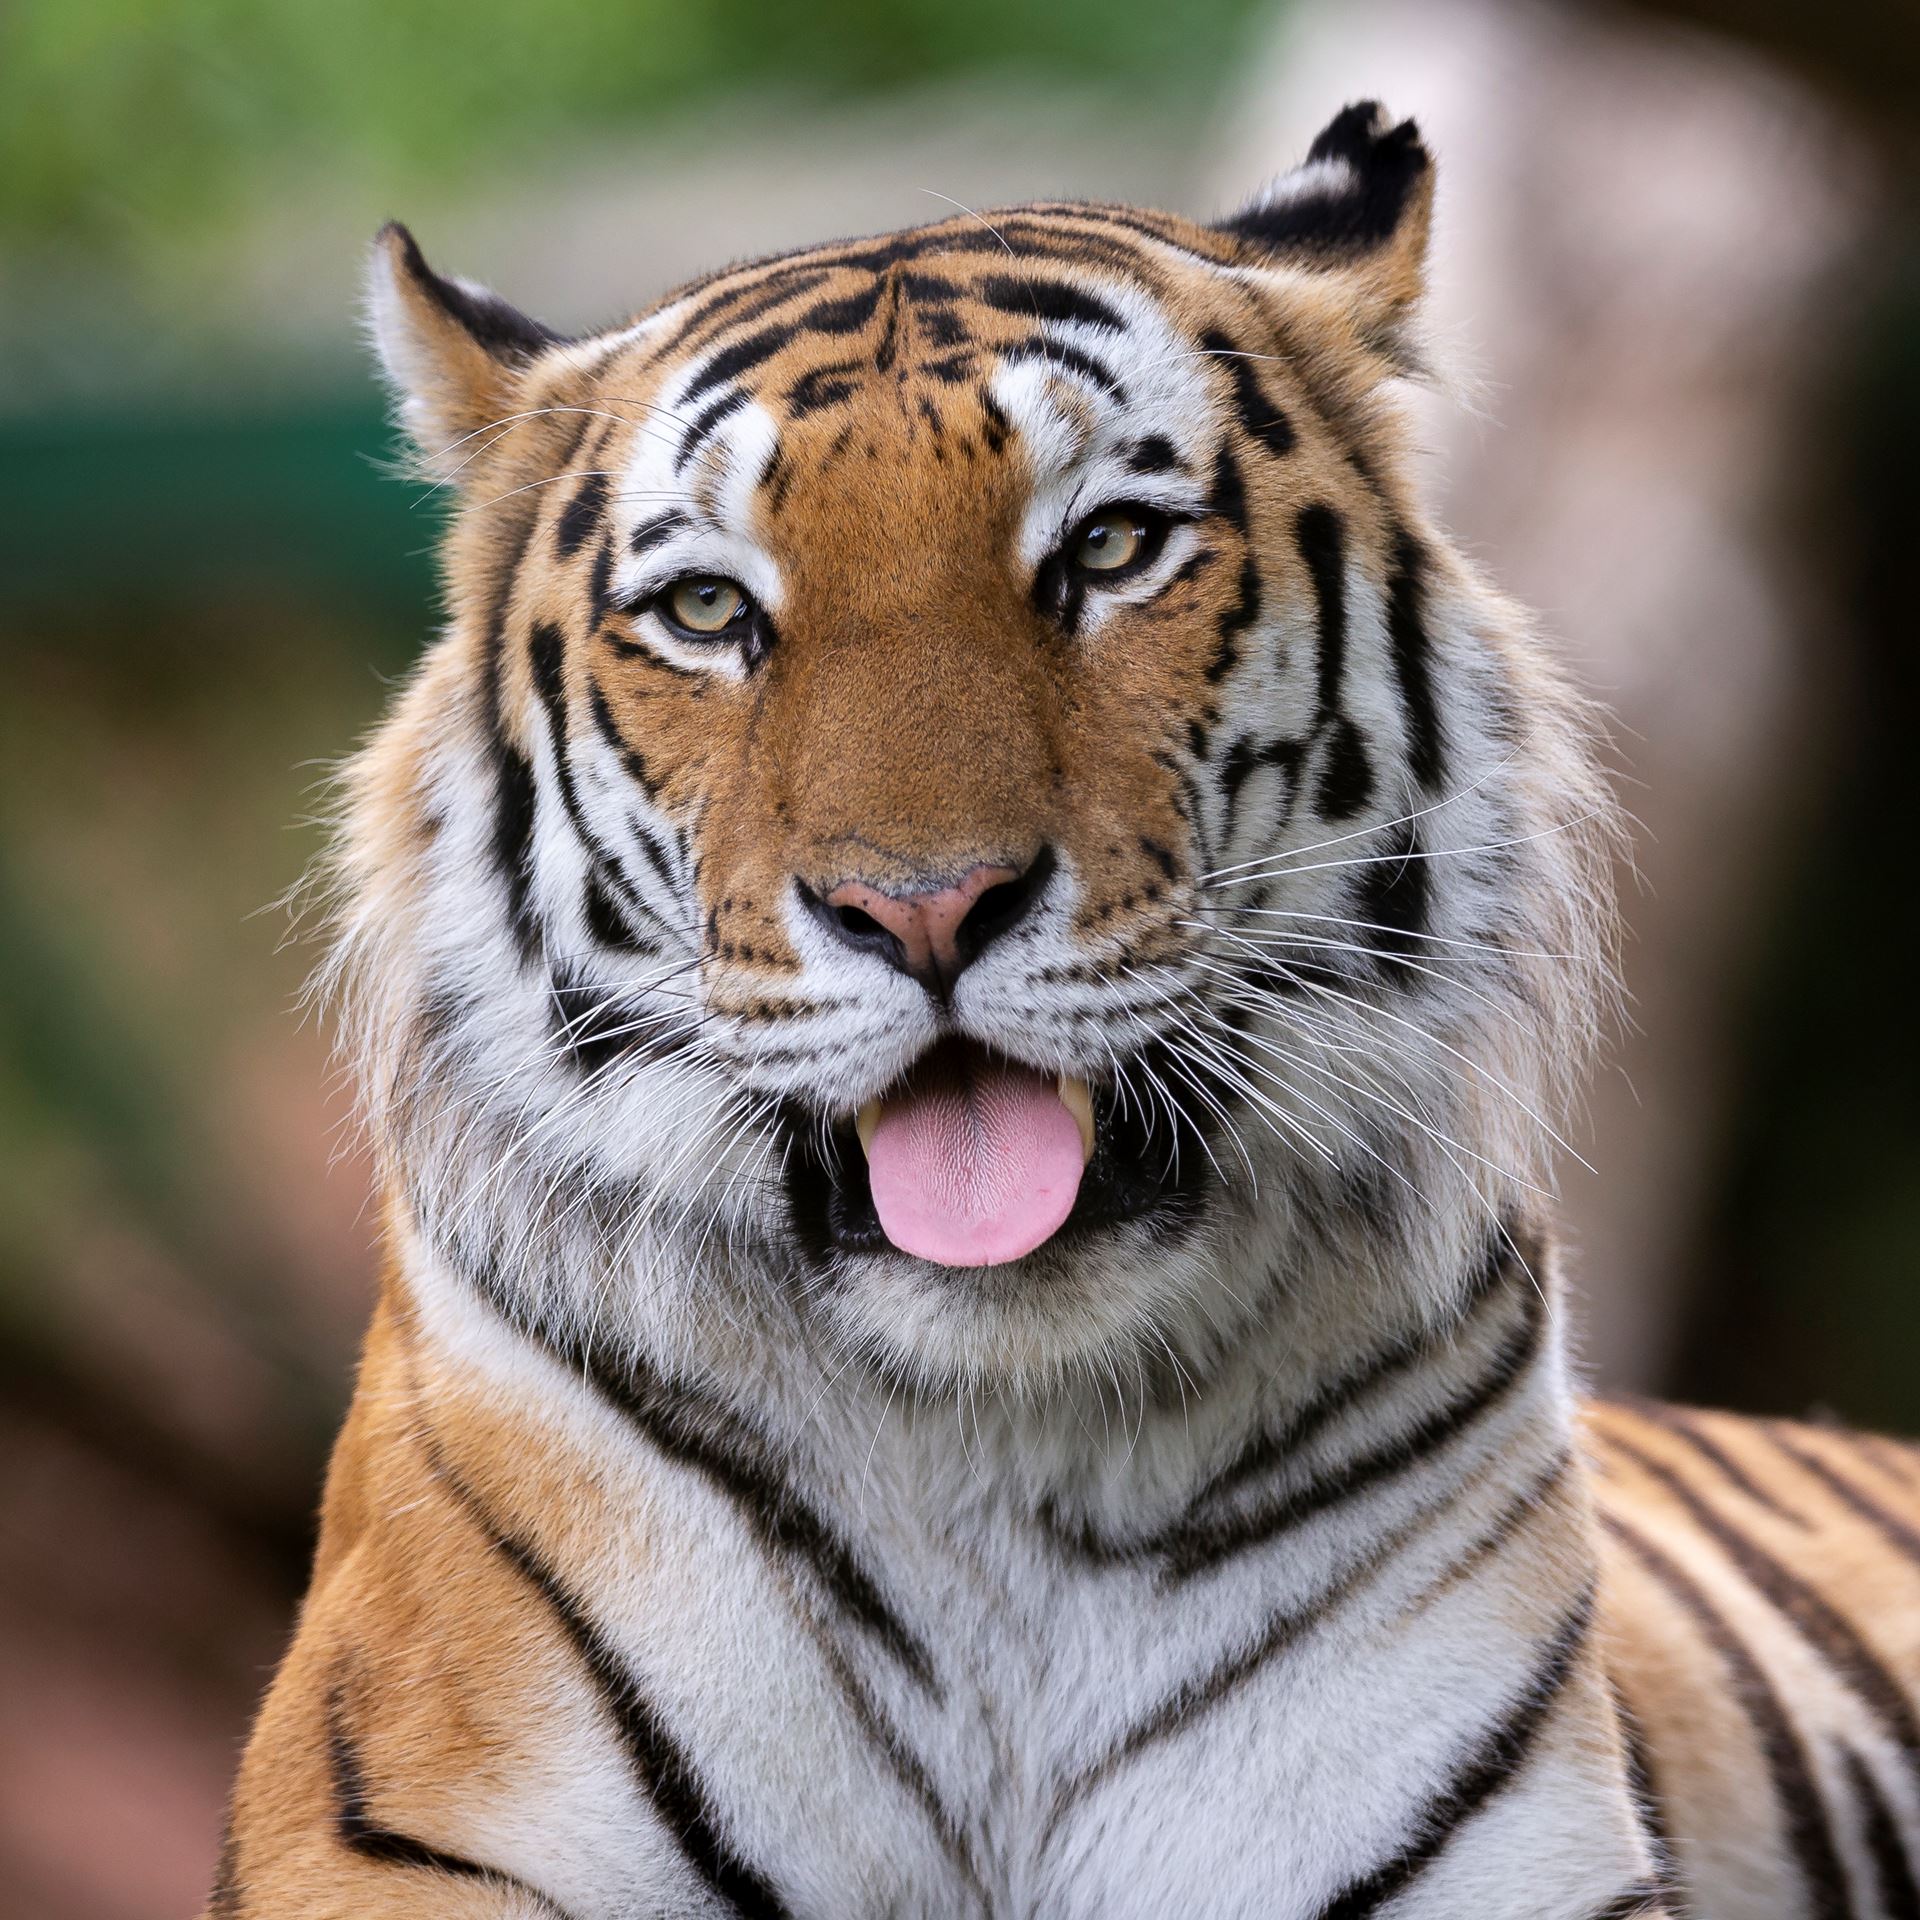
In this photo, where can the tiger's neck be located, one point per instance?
(1359, 1373)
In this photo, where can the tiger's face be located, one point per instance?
(942, 762)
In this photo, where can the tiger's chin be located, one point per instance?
(984, 1221)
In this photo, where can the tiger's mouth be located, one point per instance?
(973, 1159)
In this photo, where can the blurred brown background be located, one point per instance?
(1678, 268)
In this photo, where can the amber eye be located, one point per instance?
(704, 606)
(1111, 539)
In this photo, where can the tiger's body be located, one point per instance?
(800, 767)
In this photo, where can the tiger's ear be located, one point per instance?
(1358, 209)
(451, 350)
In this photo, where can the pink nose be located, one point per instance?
(934, 935)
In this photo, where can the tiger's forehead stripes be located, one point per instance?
(927, 359)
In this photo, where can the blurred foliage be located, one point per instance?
(128, 125)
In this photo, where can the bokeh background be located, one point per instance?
(1678, 266)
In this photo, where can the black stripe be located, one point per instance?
(954, 369)
(659, 862)
(599, 583)
(649, 533)
(1819, 1622)
(1268, 1451)
(601, 912)
(1498, 1264)
(1104, 246)
(1262, 420)
(1687, 1428)
(883, 354)
(1519, 1509)
(1058, 355)
(1643, 1789)
(906, 1765)
(360, 1833)
(1155, 454)
(696, 1432)
(729, 363)
(1193, 566)
(1204, 1546)
(1892, 1869)
(1193, 1699)
(942, 327)
(514, 799)
(1898, 1533)
(546, 649)
(731, 307)
(597, 1026)
(668, 1774)
(1162, 857)
(1243, 759)
(727, 302)
(1346, 771)
(1790, 1773)
(513, 806)
(1227, 498)
(1413, 659)
(580, 519)
(1493, 1761)
(930, 287)
(1048, 299)
(846, 314)
(1178, 1543)
(629, 756)
(776, 479)
(704, 424)
(1235, 619)
(996, 429)
(1321, 536)
(823, 387)
(1393, 898)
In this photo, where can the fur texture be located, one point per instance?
(689, 1550)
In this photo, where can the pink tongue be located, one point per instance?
(975, 1166)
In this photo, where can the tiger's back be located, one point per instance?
(1763, 1605)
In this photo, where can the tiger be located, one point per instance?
(965, 962)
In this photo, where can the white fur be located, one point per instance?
(931, 1416)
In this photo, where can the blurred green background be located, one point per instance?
(209, 582)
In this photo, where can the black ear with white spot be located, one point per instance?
(452, 351)
(1358, 208)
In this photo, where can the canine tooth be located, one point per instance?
(1077, 1097)
(865, 1122)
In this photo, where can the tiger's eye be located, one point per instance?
(1108, 542)
(704, 605)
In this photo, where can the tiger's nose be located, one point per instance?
(935, 934)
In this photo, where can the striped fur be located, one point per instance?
(1247, 1548)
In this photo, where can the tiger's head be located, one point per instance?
(961, 803)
